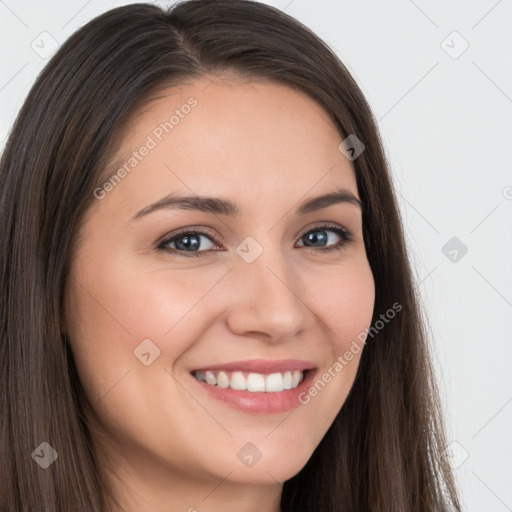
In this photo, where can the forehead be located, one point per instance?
(257, 141)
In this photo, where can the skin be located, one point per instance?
(173, 447)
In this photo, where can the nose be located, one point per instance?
(266, 300)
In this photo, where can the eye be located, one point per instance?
(320, 239)
(188, 241)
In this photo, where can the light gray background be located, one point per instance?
(445, 120)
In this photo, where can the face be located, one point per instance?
(267, 298)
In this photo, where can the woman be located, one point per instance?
(206, 298)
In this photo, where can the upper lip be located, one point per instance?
(262, 365)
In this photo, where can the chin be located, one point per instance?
(276, 464)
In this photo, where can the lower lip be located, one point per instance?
(260, 402)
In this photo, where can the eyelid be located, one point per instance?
(324, 225)
(340, 230)
(169, 237)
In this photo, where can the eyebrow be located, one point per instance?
(220, 206)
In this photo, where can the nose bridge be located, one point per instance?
(266, 299)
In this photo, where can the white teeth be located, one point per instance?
(238, 381)
(296, 378)
(274, 382)
(222, 380)
(287, 380)
(253, 382)
(210, 378)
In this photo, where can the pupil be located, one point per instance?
(189, 242)
(317, 236)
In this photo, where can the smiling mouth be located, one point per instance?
(251, 381)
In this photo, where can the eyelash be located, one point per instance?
(344, 234)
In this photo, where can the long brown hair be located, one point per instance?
(385, 450)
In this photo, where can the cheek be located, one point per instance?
(115, 306)
(172, 307)
(344, 301)
(112, 313)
